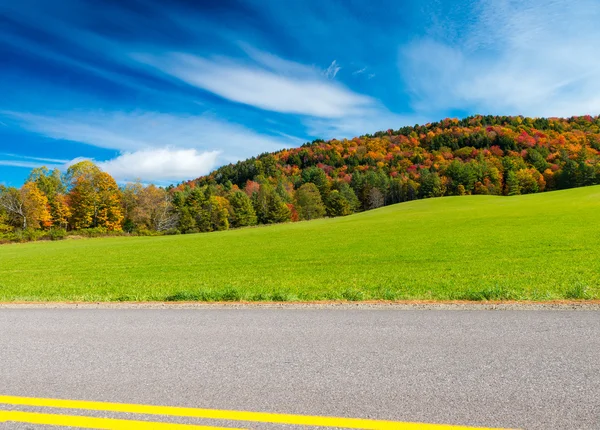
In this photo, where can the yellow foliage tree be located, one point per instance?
(95, 198)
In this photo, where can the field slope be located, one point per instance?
(533, 247)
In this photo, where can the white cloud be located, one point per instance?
(332, 70)
(273, 84)
(161, 165)
(535, 58)
(154, 146)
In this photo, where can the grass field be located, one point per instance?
(534, 247)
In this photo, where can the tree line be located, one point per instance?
(477, 155)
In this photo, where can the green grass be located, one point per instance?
(535, 247)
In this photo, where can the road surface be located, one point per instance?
(505, 369)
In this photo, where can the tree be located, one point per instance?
(375, 199)
(149, 207)
(35, 206)
(316, 176)
(28, 207)
(242, 212)
(269, 207)
(130, 195)
(94, 197)
(5, 226)
(60, 211)
(431, 184)
(348, 193)
(337, 204)
(530, 181)
(217, 213)
(309, 203)
(512, 184)
(49, 182)
(12, 203)
(52, 185)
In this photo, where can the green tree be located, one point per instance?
(269, 207)
(431, 184)
(512, 184)
(337, 205)
(316, 176)
(309, 203)
(49, 182)
(242, 212)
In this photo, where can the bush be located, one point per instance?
(31, 235)
(57, 233)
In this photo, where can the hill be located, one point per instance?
(495, 155)
(479, 155)
(534, 247)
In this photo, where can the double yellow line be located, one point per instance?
(172, 411)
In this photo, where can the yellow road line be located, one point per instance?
(263, 417)
(95, 423)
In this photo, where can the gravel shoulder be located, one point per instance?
(590, 305)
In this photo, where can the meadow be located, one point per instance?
(533, 247)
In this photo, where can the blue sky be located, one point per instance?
(167, 91)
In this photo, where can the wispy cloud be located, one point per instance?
(26, 157)
(332, 70)
(360, 71)
(16, 160)
(535, 58)
(28, 164)
(369, 122)
(273, 84)
(132, 131)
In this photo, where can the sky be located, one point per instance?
(166, 91)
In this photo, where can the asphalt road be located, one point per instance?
(511, 369)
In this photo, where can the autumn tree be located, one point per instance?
(94, 197)
(218, 210)
(35, 206)
(11, 202)
(52, 185)
(25, 208)
(5, 225)
(49, 182)
(147, 208)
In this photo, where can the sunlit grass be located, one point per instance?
(535, 247)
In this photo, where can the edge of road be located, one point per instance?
(570, 305)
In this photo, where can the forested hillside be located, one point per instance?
(477, 155)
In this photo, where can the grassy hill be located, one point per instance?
(531, 247)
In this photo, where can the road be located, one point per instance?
(507, 369)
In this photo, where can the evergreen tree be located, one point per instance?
(337, 204)
(512, 184)
(242, 212)
(309, 203)
(269, 207)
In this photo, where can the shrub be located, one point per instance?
(57, 233)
